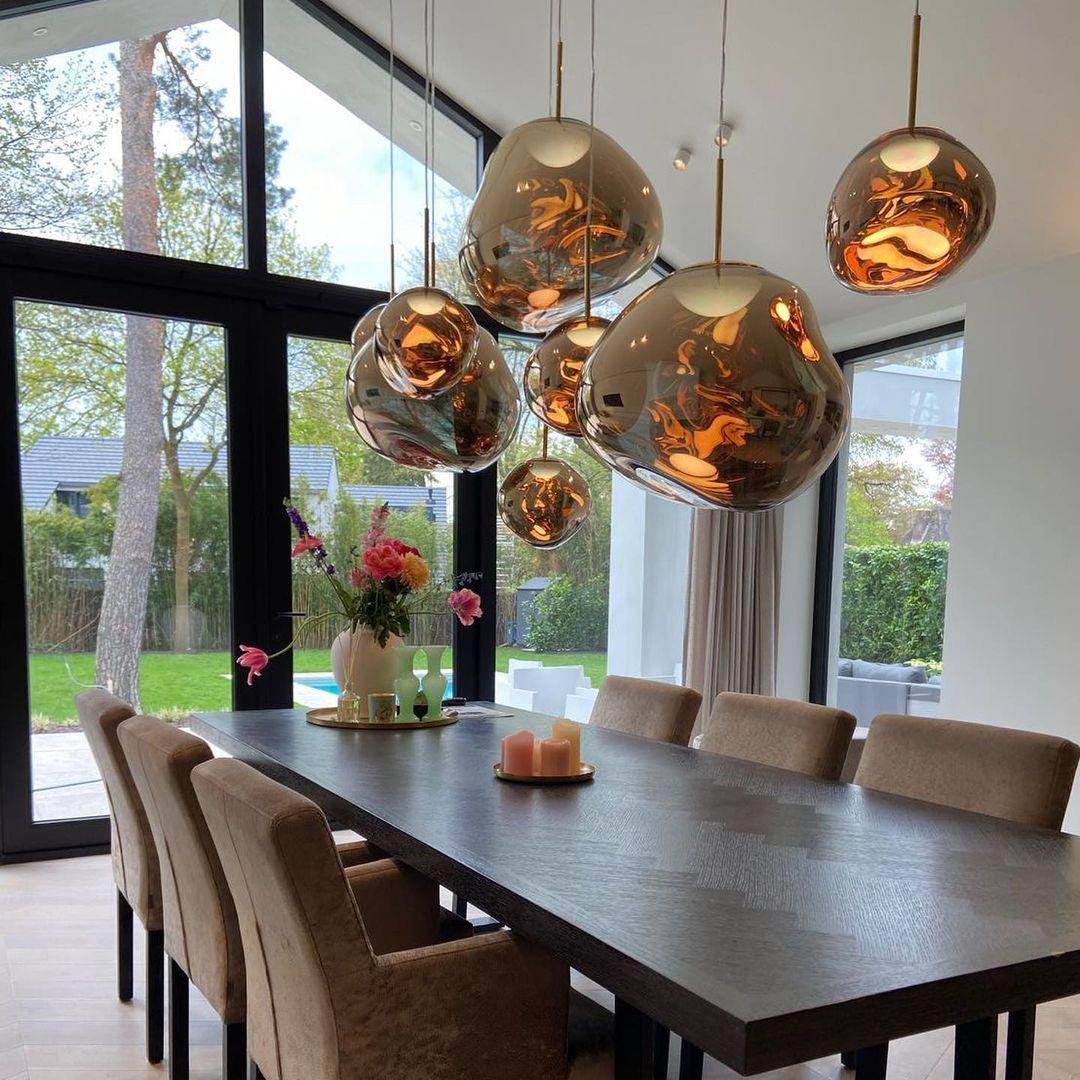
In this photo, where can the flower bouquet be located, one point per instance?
(387, 585)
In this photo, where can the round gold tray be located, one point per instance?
(328, 718)
(585, 772)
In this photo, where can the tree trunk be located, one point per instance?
(182, 499)
(127, 579)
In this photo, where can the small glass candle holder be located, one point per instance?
(382, 708)
(348, 706)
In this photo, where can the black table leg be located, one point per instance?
(975, 1057)
(461, 906)
(234, 1059)
(1020, 1049)
(633, 1043)
(125, 948)
(691, 1061)
(155, 995)
(178, 1022)
(871, 1062)
(661, 1048)
(847, 1058)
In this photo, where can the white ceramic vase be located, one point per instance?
(364, 665)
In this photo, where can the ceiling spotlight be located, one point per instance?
(682, 158)
(41, 31)
(723, 136)
(416, 125)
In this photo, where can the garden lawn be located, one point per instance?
(176, 683)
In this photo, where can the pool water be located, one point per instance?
(327, 685)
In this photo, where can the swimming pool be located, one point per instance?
(326, 684)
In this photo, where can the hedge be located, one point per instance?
(894, 602)
(567, 617)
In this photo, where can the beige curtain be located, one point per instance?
(733, 604)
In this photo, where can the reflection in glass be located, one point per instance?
(523, 252)
(912, 206)
(553, 371)
(716, 388)
(544, 502)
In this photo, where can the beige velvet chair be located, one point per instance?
(654, 710)
(345, 980)
(202, 935)
(1021, 776)
(134, 860)
(795, 735)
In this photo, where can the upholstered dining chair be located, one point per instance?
(654, 710)
(787, 734)
(202, 935)
(1021, 776)
(346, 978)
(134, 860)
(783, 733)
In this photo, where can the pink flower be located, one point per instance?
(305, 544)
(357, 577)
(465, 604)
(254, 659)
(402, 549)
(382, 561)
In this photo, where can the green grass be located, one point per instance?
(176, 683)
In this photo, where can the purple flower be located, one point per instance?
(298, 522)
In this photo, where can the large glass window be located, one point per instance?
(125, 518)
(328, 162)
(895, 503)
(336, 483)
(119, 126)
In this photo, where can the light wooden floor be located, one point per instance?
(60, 1018)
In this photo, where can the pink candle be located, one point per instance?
(517, 753)
(536, 757)
(555, 757)
(567, 729)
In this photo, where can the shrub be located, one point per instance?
(894, 602)
(567, 617)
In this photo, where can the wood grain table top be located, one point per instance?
(768, 917)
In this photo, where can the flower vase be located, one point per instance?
(406, 685)
(434, 681)
(363, 666)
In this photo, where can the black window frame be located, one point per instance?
(828, 500)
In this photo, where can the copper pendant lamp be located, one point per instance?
(552, 373)
(544, 501)
(523, 248)
(911, 208)
(424, 338)
(715, 386)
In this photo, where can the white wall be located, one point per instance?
(1012, 625)
(796, 596)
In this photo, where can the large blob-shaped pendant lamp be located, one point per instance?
(523, 248)
(715, 387)
(424, 338)
(912, 206)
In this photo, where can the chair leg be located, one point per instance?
(661, 1046)
(1020, 1048)
(155, 995)
(633, 1042)
(847, 1058)
(872, 1061)
(975, 1056)
(691, 1061)
(125, 948)
(234, 1059)
(178, 1022)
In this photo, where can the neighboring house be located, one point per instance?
(402, 499)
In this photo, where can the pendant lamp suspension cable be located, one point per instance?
(592, 134)
(393, 289)
(427, 142)
(913, 81)
(558, 61)
(720, 140)
(431, 172)
(544, 441)
(551, 56)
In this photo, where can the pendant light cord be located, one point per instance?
(592, 135)
(720, 138)
(431, 171)
(558, 63)
(913, 81)
(427, 142)
(393, 288)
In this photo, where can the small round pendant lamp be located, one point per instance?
(544, 502)
(912, 207)
(552, 373)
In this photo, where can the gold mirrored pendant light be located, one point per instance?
(912, 206)
(523, 248)
(424, 338)
(715, 386)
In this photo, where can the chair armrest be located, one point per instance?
(398, 906)
(513, 992)
(356, 852)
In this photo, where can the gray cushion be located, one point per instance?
(843, 667)
(863, 669)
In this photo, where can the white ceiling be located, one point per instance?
(809, 83)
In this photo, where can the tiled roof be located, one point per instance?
(401, 497)
(58, 461)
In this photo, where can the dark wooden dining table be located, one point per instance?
(766, 917)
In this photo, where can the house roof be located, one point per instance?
(59, 461)
(401, 497)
